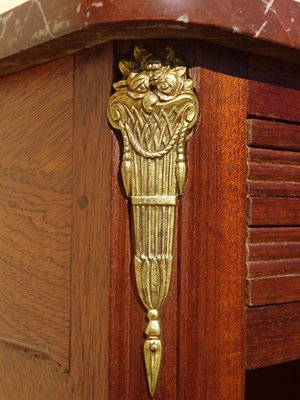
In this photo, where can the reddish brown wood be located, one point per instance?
(272, 290)
(35, 208)
(274, 134)
(274, 89)
(274, 156)
(91, 261)
(274, 211)
(273, 334)
(212, 234)
(271, 251)
(274, 172)
(258, 235)
(263, 268)
(273, 189)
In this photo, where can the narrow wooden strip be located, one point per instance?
(212, 234)
(274, 172)
(273, 189)
(273, 334)
(273, 290)
(268, 251)
(274, 211)
(91, 225)
(271, 134)
(263, 235)
(259, 269)
(273, 156)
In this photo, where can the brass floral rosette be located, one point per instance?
(155, 108)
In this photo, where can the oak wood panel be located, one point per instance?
(272, 290)
(273, 211)
(35, 208)
(273, 268)
(268, 329)
(274, 89)
(27, 376)
(212, 234)
(275, 135)
(91, 225)
(261, 235)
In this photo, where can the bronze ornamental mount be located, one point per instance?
(155, 108)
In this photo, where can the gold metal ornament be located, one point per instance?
(155, 108)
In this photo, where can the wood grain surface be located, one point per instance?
(27, 376)
(35, 208)
(91, 225)
(212, 233)
(274, 89)
(273, 290)
(273, 334)
(274, 212)
(269, 134)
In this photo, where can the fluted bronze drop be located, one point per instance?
(155, 108)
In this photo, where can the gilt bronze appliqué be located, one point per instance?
(155, 108)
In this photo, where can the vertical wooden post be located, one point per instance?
(91, 225)
(212, 233)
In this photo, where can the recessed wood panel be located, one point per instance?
(274, 211)
(273, 265)
(26, 376)
(273, 334)
(274, 89)
(273, 290)
(35, 208)
(274, 135)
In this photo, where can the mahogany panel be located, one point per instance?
(272, 251)
(274, 89)
(275, 135)
(272, 290)
(274, 268)
(273, 265)
(27, 376)
(274, 172)
(36, 123)
(268, 329)
(212, 233)
(273, 189)
(258, 235)
(274, 156)
(273, 211)
(91, 225)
